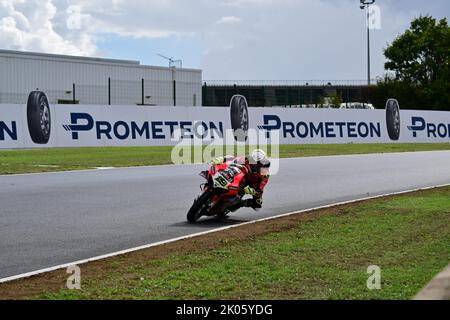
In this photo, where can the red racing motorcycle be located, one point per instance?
(221, 193)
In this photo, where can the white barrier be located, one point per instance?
(92, 125)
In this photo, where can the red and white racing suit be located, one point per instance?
(256, 180)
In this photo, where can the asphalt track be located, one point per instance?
(55, 218)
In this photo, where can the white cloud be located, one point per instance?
(228, 20)
(28, 25)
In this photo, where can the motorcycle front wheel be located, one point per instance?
(196, 211)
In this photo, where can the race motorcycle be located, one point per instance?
(222, 192)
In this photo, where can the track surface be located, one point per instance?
(55, 218)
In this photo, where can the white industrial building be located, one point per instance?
(83, 80)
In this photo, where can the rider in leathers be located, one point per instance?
(257, 176)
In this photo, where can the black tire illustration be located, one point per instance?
(196, 211)
(393, 119)
(239, 117)
(38, 116)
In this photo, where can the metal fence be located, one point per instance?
(288, 93)
(287, 82)
(117, 92)
(213, 93)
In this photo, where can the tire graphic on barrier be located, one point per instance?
(393, 119)
(38, 116)
(239, 117)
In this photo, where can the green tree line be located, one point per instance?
(418, 69)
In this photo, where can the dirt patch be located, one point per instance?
(56, 280)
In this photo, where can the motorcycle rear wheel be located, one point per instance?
(196, 211)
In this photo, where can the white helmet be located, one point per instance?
(257, 155)
(258, 160)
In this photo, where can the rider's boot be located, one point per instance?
(255, 203)
(242, 203)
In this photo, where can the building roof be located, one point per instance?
(80, 59)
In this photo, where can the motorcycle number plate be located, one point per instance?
(220, 181)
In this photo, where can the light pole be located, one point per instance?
(365, 4)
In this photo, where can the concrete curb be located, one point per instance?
(438, 288)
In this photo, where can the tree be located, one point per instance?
(422, 54)
(420, 62)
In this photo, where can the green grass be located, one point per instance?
(407, 236)
(44, 160)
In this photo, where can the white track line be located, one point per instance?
(122, 252)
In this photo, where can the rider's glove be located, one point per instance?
(249, 190)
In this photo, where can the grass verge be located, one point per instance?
(323, 254)
(45, 160)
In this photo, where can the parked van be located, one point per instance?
(356, 105)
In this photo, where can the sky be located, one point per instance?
(227, 39)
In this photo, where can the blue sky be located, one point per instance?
(227, 39)
(146, 50)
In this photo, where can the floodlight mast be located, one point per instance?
(365, 4)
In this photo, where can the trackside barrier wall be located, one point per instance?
(101, 125)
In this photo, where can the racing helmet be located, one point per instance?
(258, 160)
